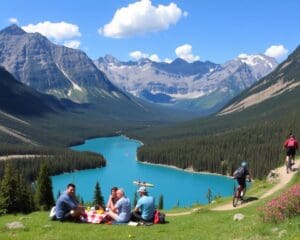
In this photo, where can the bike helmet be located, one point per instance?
(244, 164)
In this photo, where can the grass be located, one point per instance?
(202, 224)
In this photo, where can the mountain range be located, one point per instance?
(54, 69)
(283, 81)
(199, 85)
(202, 87)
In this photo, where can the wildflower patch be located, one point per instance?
(286, 205)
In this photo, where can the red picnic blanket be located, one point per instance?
(94, 217)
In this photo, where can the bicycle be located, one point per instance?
(238, 194)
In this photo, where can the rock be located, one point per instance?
(15, 225)
(275, 229)
(273, 176)
(282, 233)
(238, 217)
(47, 226)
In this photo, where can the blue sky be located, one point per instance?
(162, 30)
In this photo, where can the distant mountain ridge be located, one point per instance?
(50, 68)
(198, 85)
(283, 80)
(178, 66)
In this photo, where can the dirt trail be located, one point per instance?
(282, 180)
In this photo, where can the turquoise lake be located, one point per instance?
(177, 187)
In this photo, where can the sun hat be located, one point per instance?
(142, 189)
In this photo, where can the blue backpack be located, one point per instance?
(239, 172)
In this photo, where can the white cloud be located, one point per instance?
(276, 51)
(57, 31)
(138, 55)
(141, 17)
(154, 58)
(13, 20)
(168, 60)
(185, 52)
(72, 44)
(243, 55)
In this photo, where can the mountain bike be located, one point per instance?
(238, 194)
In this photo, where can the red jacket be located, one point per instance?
(291, 143)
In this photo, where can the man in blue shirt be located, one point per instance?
(67, 207)
(121, 211)
(145, 207)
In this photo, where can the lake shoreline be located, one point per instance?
(189, 169)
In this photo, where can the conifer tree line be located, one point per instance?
(18, 195)
(58, 163)
(25, 184)
(261, 145)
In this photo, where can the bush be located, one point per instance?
(286, 205)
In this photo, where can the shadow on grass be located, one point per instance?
(250, 199)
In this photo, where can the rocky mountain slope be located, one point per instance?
(197, 85)
(50, 68)
(17, 98)
(282, 81)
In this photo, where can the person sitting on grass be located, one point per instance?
(121, 211)
(145, 207)
(112, 198)
(67, 207)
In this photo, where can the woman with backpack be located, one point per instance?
(291, 145)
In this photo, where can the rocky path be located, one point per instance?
(282, 179)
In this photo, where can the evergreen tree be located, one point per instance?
(9, 191)
(43, 194)
(25, 196)
(98, 198)
(161, 202)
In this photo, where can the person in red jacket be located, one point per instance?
(291, 145)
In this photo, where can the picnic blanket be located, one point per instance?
(94, 217)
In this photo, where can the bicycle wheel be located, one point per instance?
(288, 164)
(235, 199)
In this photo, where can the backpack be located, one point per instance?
(239, 172)
(291, 143)
(159, 217)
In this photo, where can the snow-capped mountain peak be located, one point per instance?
(256, 59)
(179, 80)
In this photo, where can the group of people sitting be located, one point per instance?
(118, 207)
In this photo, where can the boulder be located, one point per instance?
(238, 217)
(14, 225)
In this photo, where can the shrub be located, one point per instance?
(284, 206)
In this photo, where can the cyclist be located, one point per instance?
(241, 174)
(291, 146)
